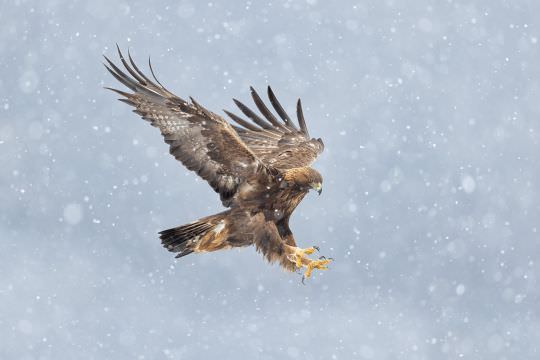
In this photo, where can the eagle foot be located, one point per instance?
(299, 258)
(316, 264)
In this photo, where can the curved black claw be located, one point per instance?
(303, 280)
(322, 257)
(316, 248)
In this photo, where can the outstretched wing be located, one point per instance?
(203, 141)
(279, 144)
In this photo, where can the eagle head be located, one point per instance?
(305, 178)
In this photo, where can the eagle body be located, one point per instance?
(260, 168)
(259, 216)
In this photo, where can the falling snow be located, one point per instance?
(429, 111)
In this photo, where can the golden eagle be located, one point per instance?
(260, 168)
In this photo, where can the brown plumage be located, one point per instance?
(260, 168)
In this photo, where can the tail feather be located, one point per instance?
(180, 239)
(206, 234)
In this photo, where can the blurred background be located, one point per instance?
(431, 207)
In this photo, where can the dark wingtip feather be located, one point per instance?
(279, 109)
(301, 120)
(152, 71)
(127, 101)
(241, 121)
(117, 91)
(137, 81)
(264, 110)
(250, 114)
(119, 75)
(133, 73)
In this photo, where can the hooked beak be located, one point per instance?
(317, 187)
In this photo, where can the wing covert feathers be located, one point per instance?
(203, 141)
(280, 144)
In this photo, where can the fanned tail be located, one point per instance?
(188, 238)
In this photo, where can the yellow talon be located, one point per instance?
(299, 258)
(316, 264)
(299, 255)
